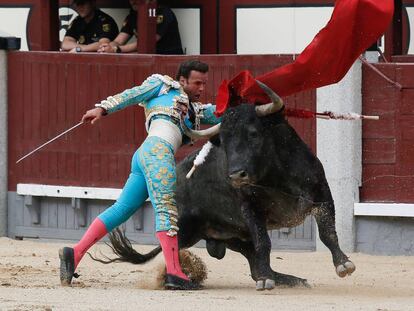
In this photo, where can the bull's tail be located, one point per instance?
(122, 247)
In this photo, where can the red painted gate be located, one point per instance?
(388, 144)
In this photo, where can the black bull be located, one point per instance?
(259, 176)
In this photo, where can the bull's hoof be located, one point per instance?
(265, 284)
(260, 285)
(270, 284)
(345, 269)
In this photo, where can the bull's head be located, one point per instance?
(243, 140)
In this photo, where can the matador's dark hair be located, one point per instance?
(189, 65)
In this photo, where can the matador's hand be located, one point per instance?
(93, 115)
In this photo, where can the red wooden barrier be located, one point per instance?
(388, 144)
(49, 92)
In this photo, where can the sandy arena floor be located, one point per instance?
(29, 281)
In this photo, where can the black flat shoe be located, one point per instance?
(67, 266)
(174, 282)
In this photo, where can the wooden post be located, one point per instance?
(146, 27)
(397, 27)
(44, 26)
(393, 36)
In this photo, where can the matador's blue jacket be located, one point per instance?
(159, 96)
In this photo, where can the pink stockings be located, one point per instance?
(170, 250)
(97, 231)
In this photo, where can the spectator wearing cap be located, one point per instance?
(167, 34)
(89, 29)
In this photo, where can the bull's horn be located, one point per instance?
(274, 106)
(207, 133)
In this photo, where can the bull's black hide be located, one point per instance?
(259, 176)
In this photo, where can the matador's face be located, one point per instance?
(194, 85)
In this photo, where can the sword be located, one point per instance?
(49, 141)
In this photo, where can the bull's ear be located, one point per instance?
(215, 140)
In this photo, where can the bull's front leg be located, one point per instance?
(247, 250)
(256, 223)
(325, 218)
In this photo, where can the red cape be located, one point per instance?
(354, 26)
